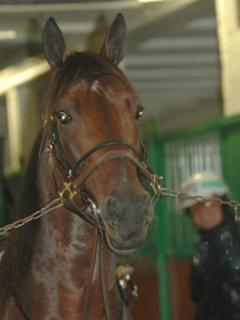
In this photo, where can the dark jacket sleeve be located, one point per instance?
(226, 240)
(216, 268)
(204, 259)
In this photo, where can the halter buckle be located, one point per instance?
(93, 207)
(67, 188)
(128, 290)
(156, 185)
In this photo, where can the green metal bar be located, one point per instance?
(164, 287)
(230, 152)
(211, 125)
(156, 155)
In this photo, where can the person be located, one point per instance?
(215, 273)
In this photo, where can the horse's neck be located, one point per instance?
(66, 269)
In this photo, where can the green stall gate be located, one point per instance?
(215, 147)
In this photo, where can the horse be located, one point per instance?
(89, 155)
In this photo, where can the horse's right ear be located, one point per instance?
(53, 43)
(114, 46)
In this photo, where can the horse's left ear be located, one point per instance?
(114, 46)
(53, 43)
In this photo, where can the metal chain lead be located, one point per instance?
(54, 204)
(158, 191)
(207, 201)
(200, 199)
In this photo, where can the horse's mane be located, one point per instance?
(16, 260)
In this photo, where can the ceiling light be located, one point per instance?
(7, 34)
(18, 75)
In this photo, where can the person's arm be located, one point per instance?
(202, 267)
(225, 240)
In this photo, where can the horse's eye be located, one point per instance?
(139, 112)
(63, 117)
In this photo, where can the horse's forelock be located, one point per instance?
(77, 67)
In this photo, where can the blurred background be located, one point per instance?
(184, 60)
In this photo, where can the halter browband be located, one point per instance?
(71, 171)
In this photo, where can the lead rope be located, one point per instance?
(87, 296)
(95, 212)
(103, 279)
(101, 262)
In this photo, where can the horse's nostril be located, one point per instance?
(114, 211)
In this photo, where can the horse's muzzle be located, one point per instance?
(126, 220)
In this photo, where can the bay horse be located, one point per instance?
(89, 153)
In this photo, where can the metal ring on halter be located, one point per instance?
(96, 214)
(95, 209)
(67, 188)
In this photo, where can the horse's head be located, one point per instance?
(94, 108)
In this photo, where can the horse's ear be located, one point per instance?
(114, 46)
(53, 43)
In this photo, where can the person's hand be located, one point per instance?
(206, 217)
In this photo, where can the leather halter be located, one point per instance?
(74, 181)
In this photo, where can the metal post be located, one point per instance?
(164, 287)
(162, 239)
